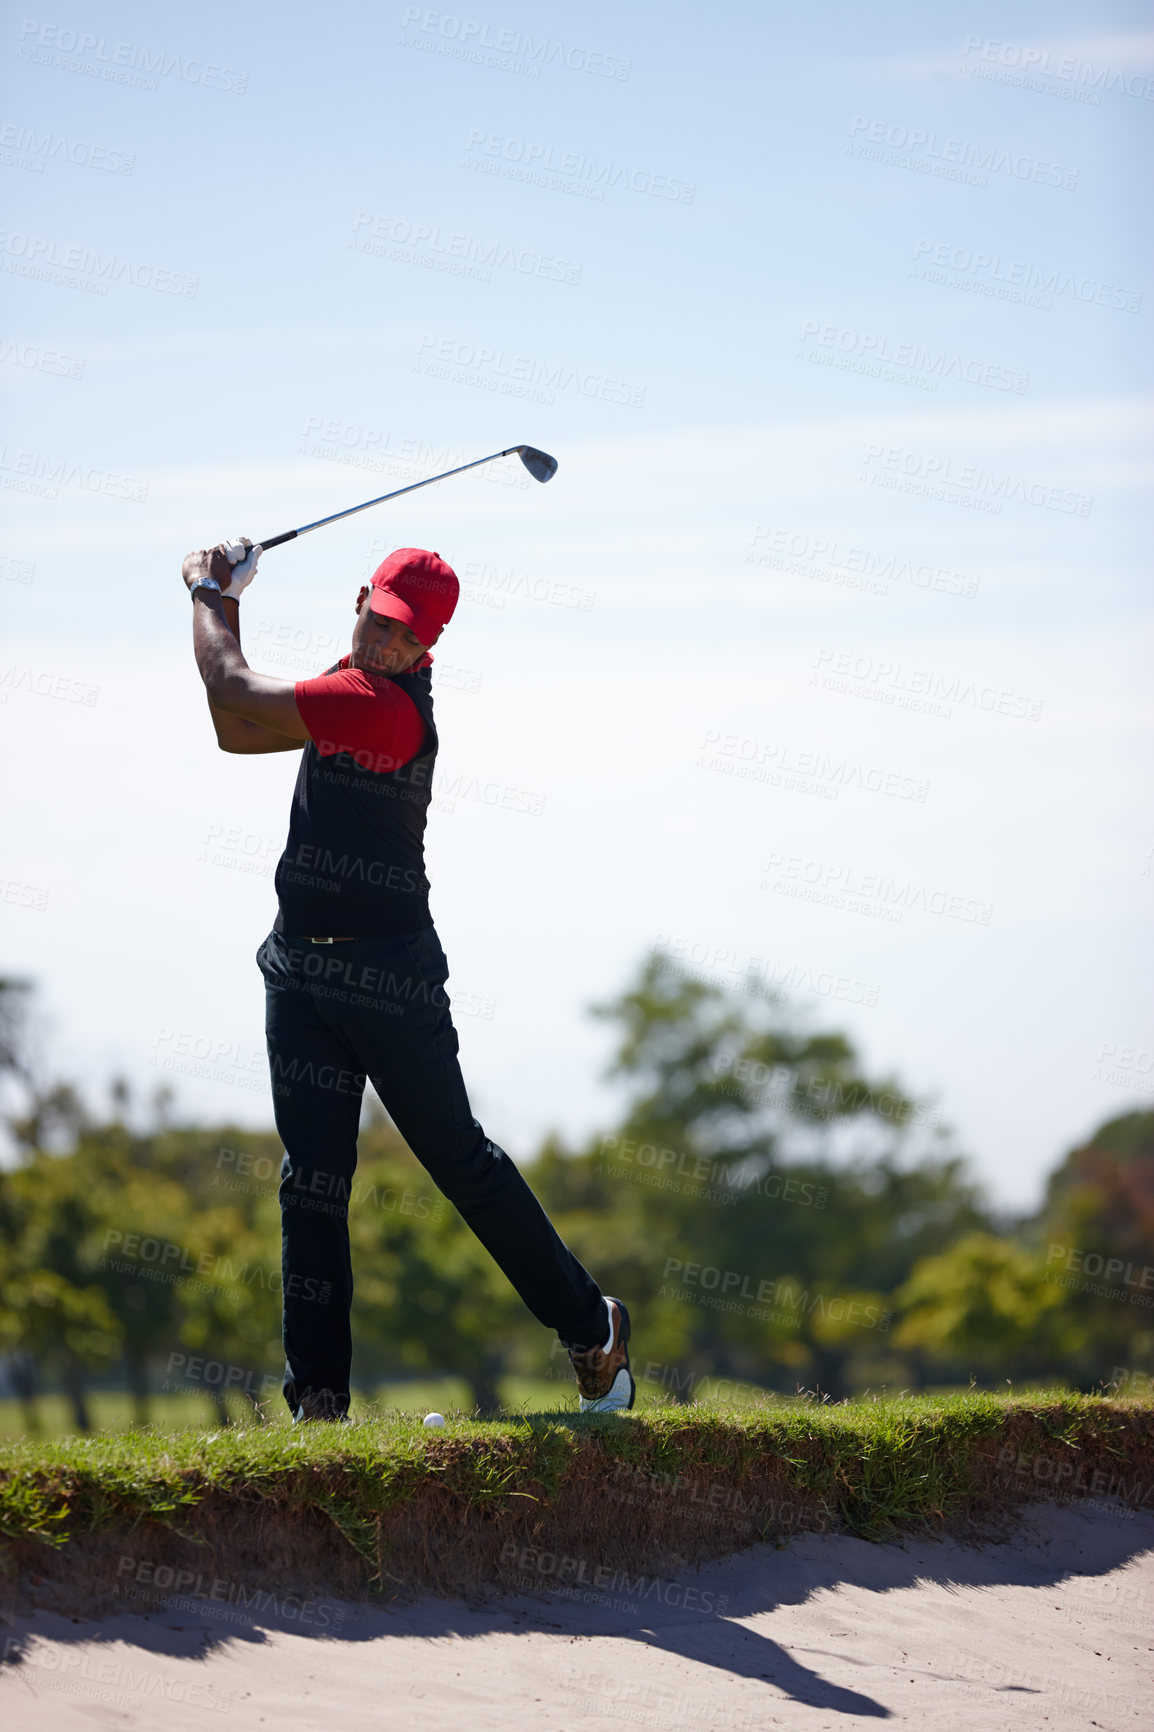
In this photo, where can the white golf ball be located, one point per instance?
(433, 1419)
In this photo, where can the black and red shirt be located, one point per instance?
(354, 862)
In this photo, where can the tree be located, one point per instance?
(983, 1308)
(52, 1311)
(227, 1294)
(759, 1200)
(14, 997)
(1095, 1232)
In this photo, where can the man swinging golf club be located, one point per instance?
(354, 973)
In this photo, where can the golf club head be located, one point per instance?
(540, 465)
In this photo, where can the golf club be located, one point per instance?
(540, 465)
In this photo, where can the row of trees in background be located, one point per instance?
(774, 1217)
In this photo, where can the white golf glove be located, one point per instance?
(242, 556)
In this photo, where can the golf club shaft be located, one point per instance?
(291, 534)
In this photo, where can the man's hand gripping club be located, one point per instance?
(234, 573)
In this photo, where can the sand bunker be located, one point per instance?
(1052, 1628)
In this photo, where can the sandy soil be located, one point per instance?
(1053, 1628)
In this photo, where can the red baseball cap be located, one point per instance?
(416, 587)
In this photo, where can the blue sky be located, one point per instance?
(822, 652)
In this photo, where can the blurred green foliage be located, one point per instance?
(775, 1218)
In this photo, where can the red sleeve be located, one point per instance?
(349, 711)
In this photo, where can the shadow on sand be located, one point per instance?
(696, 1616)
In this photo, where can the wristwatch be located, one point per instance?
(204, 583)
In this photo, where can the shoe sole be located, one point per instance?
(607, 1403)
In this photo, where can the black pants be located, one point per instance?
(377, 1008)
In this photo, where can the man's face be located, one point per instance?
(383, 646)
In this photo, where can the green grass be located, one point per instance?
(877, 1464)
(112, 1410)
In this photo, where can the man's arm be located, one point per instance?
(233, 733)
(250, 712)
